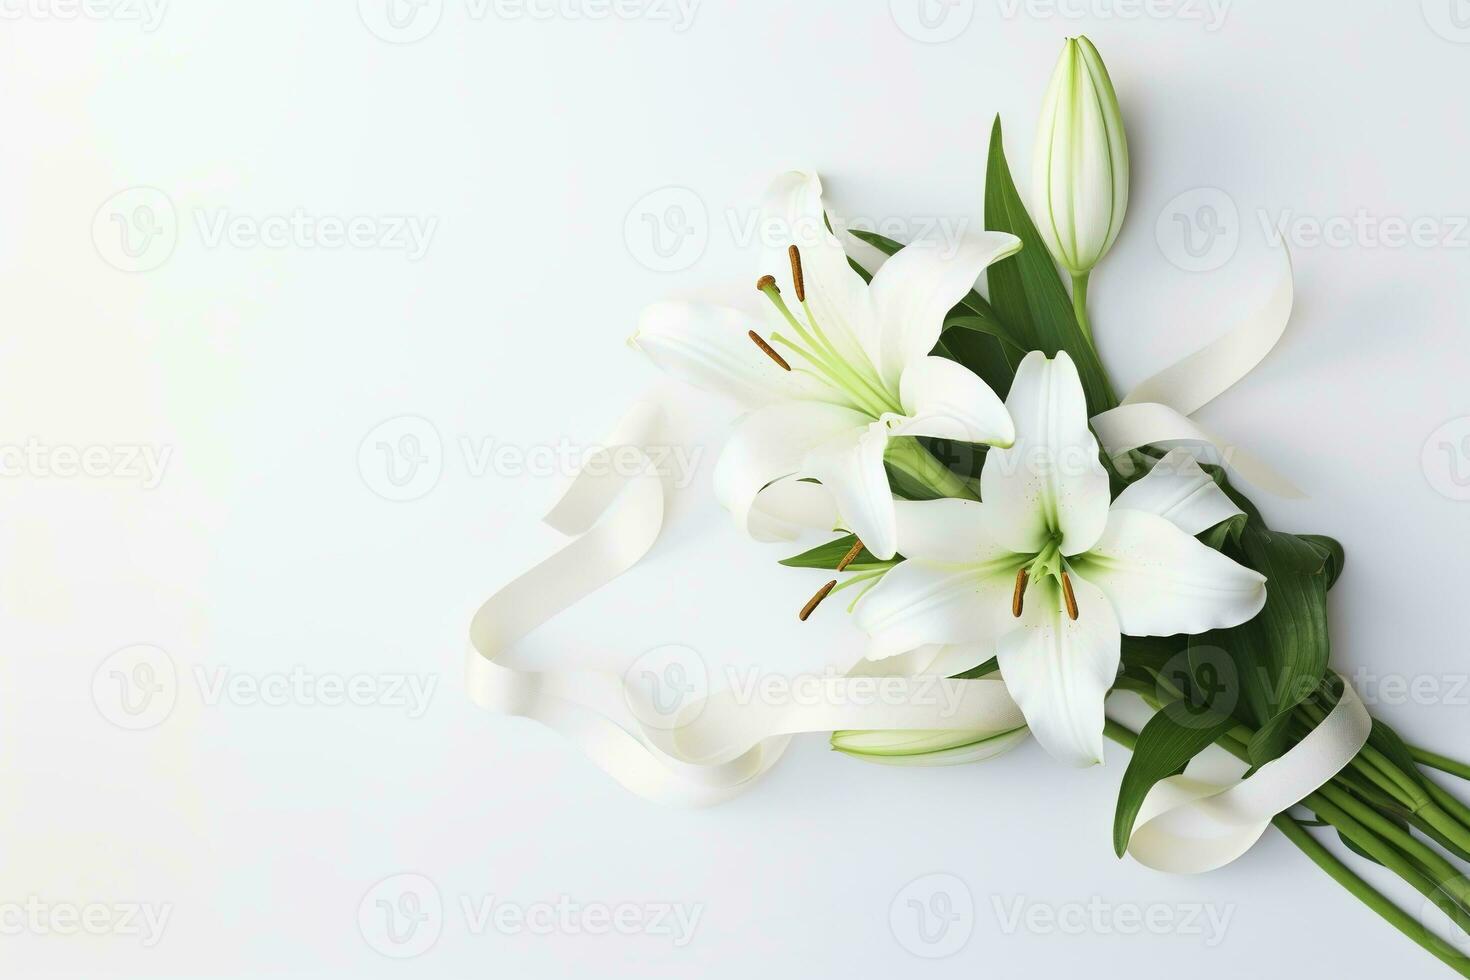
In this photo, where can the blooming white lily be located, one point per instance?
(846, 374)
(1048, 574)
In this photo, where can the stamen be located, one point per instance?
(1019, 595)
(816, 600)
(771, 351)
(796, 276)
(766, 282)
(1069, 597)
(851, 556)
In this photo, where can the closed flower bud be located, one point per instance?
(1080, 178)
(944, 747)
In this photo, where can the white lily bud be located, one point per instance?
(943, 747)
(1080, 166)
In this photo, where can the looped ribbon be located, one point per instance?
(715, 747)
(1158, 410)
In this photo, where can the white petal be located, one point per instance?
(769, 444)
(1162, 581)
(921, 602)
(710, 348)
(788, 508)
(1050, 482)
(850, 465)
(949, 401)
(1059, 669)
(793, 215)
(926, 748)
(948, 530)
(1179, 491)
(917, 287)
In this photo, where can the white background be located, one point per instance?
(529, 140)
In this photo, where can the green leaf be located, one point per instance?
(1171, 738)
(829, 554)
(1332, 552)
(1026, 291)
(989, 667)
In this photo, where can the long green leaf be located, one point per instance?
(1025, 290)
(1171, 738)
(828, 555)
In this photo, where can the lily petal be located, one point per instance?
(914, 290)
(838, 296)
(769, 444)
(1050, 482)
(921, 602)
(1059, 669)
(850, 465)
(1179, 491)
(788, 508)
(949, 530)
(709, 347)
(1162, 581)
(949, 401)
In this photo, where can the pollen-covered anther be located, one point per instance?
(851, 556)
(796, 276)
(816, 600)
(1069, 597)
(770, 351)
(1018, 595)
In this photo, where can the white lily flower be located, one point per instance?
(1081, 160)
(1048, 573)
(843, 374)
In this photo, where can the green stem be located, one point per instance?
(909, 455)
(1079, 306)
(1443, 763)
(1368, 895)
(1436, 868)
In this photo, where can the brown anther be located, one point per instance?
(770, 351)
(1069, 597)
(796, 276)
(816, 600)
(1018, 596)
(766, 282)
(851, 556)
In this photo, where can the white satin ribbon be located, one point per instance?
(1158, 409)
(713, 747)
(1188, 825)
